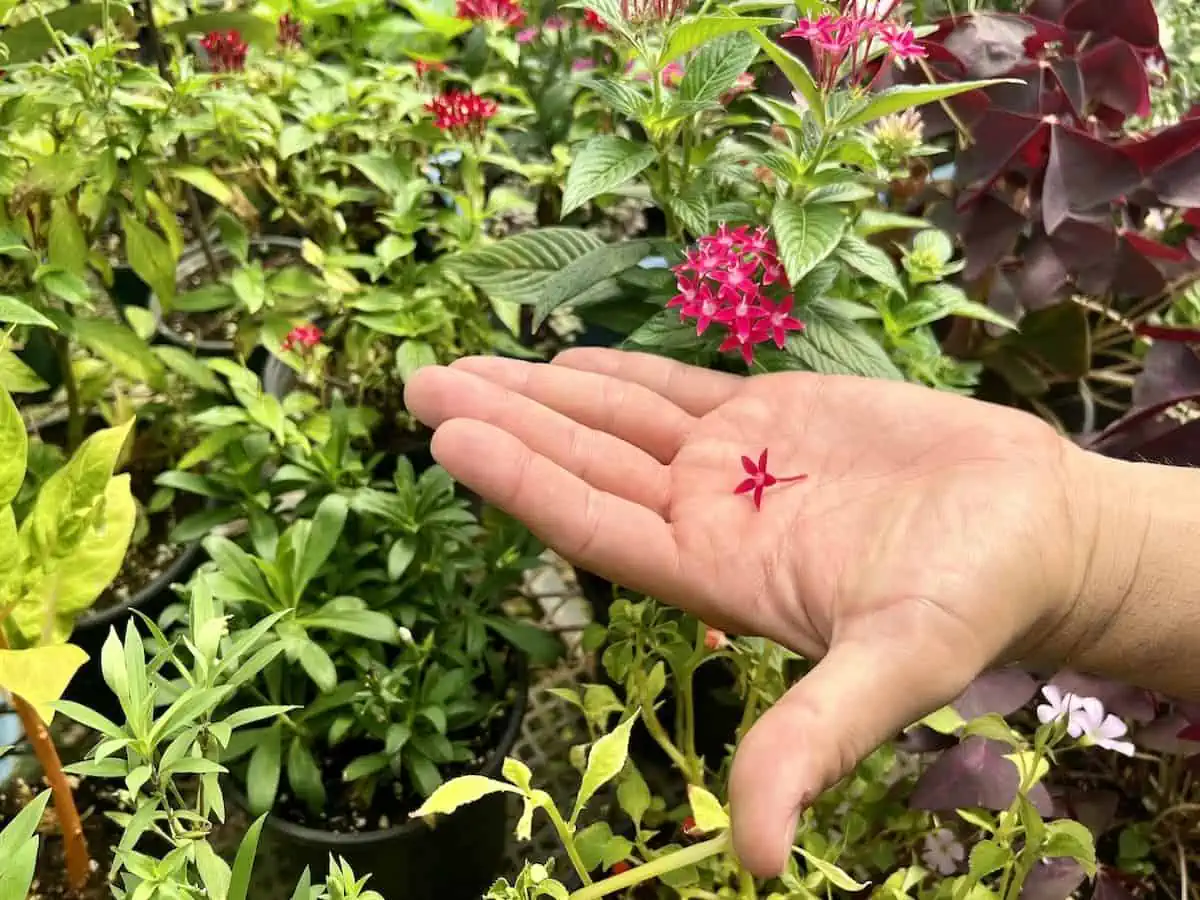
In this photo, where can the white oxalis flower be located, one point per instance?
(1086, 720)
(943, 852)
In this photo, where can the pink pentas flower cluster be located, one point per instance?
(462, 112)
(226, 50)
(303, 337)
(846, 45)
(733, 279)
(506, 12)
(531, 34)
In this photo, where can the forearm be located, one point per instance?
(1137, 614)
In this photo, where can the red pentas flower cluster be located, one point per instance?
(593, 22)
(507, 12)
(303, 337)
(853, 36)
(290, 32)
(226, 50)
(462, 112)
(734, 280)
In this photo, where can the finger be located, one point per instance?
(626, 410)
(618, 540)
(436, 394)
(857, 697)
(694, 390)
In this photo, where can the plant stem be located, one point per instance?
(688, 856)
(568, 842)
(655, 727)
(79, 864)
(62, 348)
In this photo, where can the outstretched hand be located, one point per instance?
(913, 556)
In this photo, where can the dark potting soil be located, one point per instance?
(390, 805)
(94, 799)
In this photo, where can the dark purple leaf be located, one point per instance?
(1142, 434)
(1170, 371)
(989, 234)
(1134, 21)
(1053, 10)
(1153, 151)
(974, 774)
(1004, 141)
(1089, 174)
(1095, 809)
(991, 44)
(1178, 182)
(1041, 282)
(1132, 704)
(1168, 734)
(1053, 879)
(1002, 692)
(1115, 76)
(1136, 275)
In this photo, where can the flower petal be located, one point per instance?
(746, 486)
(748, 465)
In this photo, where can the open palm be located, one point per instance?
(913, 555)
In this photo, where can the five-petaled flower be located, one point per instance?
(849, 41)
(760, 479)
(290, 32)
(462, 112)
(1086, 720)
(942, 852)
(226, 50)
(725, 281)
(303, 337)
(593, 22)
(505, 12)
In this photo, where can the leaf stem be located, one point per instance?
(568, 841)
(688, 856)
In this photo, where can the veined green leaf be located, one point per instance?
(697, 31)
(906, 96)
(603, 164)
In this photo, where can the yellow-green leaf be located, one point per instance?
(150, 257)
(707, 811)
(605, 761)
(206, 181)
(944, 721)
(1031, 766)
(40, 675)
(832, 873)
(13, 445)
(459, 792)
(67, 244)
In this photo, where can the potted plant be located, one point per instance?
(399, 660)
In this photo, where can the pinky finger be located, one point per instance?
(606, 534)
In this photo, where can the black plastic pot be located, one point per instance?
(93, 627)
(718, 711)
(456, 858)
(193, 262)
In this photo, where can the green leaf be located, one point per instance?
(633, 795)
(832, 873)
(205, 181)
(448, 27)
(806, 235)
(67, 244)
(796, 72)
(588, 271)
(605, 761)
(304, 775)
(121, 347)
(16, 377)
(707, 811)
(833, 345)
(296, 139)
(65, 285)
(542, 647)
(412, 356)
(987, 857)
(1067, 838)
(150, 257)
(516, 268)
(603, 164)
(243, 865)
(262, 776)
(460, 792)
(400, 557)
(624, 97)
(19, 847)
(699, 30)
(39, 675)
(366, 623)
(14, 443)
(318, 664)
(970, 309)
(714, 69)
(865, 258)
(327, 524)
(255, 29)
(187, 366)
(26, 42)
(906, 96)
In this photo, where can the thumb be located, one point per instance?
(860, 695)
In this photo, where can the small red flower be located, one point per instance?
(226, 50)
(303, 337)
(689, 826)
(620, 866)
(426, 66)
(507, 12)
(760, 479)
(462, 112)
(593, 22)
(715, 639)
(291, 32)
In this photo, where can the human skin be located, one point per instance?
(935, 536)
